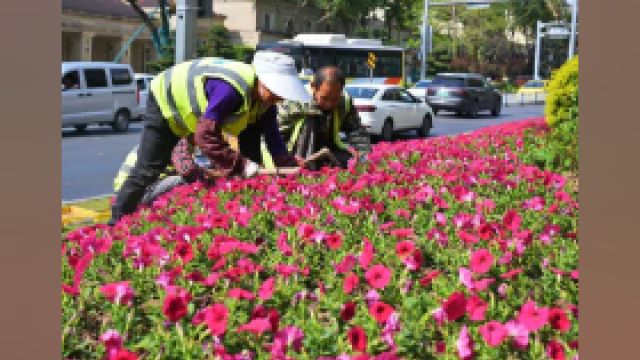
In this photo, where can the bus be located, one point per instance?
(311, 51)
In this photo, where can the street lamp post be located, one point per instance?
(536, 60)
(186, 11)
(572, 40)
(425, 41)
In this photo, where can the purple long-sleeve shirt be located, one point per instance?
(224, 100)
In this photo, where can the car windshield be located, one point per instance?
(362, 92)
(448, 81)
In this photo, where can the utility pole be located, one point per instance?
(425, 41)
(186, 14)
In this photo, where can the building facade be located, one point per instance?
(100, 30)
(252, 21)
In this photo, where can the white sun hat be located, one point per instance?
(278, 73)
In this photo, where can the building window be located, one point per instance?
(268, 20)
(290, 27)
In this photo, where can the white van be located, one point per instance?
(144, 82)
(98, 93)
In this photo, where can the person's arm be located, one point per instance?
(273, 138)
(223, 101)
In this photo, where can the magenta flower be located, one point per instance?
(347, 264)
(465, 344)
(378, 276)
(481, 261)
(256, 326)
(493, 333)
(532, 317)
(558, 320)
(120, 293)
(112, 341)
(266, 290)
(455, 306)
(176, 302)
(216, 317)
(367, 254)
(404, 248)
(283, 246)
(519, 333)
(241, 294)
(476, 308)
(357, 338)
(350, 282)
(555, 350)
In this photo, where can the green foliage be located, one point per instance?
(562, 94)
(558, 150)
(166, 59)
(218, 44)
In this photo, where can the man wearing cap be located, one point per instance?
(227, 105)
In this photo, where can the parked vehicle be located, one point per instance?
(98, 93)
(533, 87)
(419, 89)
(143, 81)
(385, 109)
(464, 93)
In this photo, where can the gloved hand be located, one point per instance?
(250, 169)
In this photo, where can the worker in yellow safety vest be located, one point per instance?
(309, 127)
(227, 105)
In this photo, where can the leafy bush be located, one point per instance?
(562, 94)
(450, 247)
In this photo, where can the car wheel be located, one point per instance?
(121, 121)
(80, 128)
(473, 110)
(424, 130)
(497, 107)
(387, 130)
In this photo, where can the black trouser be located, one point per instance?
(154, 154)
(249, 143)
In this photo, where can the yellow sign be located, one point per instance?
(371, 60)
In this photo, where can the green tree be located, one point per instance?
(218, 43)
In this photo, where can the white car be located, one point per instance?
(143, 81)
(385, 109)
(98, 93)
(419, 90)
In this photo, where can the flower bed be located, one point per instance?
(445, 248)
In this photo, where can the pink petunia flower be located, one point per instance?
(283, 246)
(348, 311)
(380, 311)
(266, 289)
(519, 333)
(120, 293)
(357, 338)
(367, 254)
(242, 294)
(378, 276)
(350, 282)
(558, 319)
(493, 333)
(112, 341)
(481, 261)
(256, 326)
(176, 302)
(404, 248)
(216, 317)
(465, 344)
(476, 308)
(533, 317)
(455, 306)
(555, 350)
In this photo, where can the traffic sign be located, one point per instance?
(371, 61)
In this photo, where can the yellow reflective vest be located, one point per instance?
(181, 97)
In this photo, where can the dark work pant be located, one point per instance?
(249, 143)
(154, 154)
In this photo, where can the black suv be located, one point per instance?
(464, 93)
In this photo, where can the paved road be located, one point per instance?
(91, 159)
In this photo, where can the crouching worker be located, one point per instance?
(307, 128)
(222, 102)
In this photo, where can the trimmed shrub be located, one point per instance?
(562, 94)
